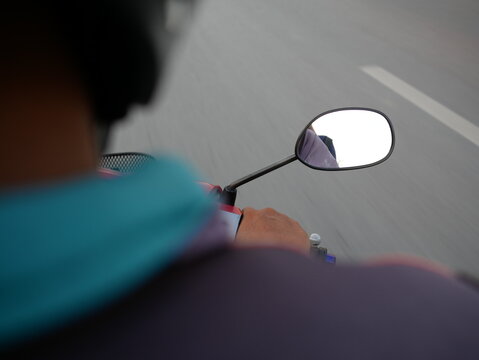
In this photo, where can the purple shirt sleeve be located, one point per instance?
(315, 152)
(213, 236)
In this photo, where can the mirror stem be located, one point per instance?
(259, 173)
(228, 196)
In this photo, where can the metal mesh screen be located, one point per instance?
(125, 162)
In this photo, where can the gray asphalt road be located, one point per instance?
(254, 72)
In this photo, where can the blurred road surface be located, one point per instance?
(253, 72)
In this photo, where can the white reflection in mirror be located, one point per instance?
(360, 137)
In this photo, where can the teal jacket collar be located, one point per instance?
(67, 249)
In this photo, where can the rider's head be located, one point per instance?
(71, 67)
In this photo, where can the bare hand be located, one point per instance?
(269, 228)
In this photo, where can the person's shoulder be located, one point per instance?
(267, 303)
(372, 309)
(286, 268)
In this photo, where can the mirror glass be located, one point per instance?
(345, 139)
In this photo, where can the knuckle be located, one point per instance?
(270, 211)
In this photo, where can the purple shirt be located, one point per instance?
(315, 152)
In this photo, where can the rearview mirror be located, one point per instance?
(344, 139)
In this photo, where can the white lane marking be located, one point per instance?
(424, 102)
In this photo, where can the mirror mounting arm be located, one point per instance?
(261, 172)
(229, 193)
